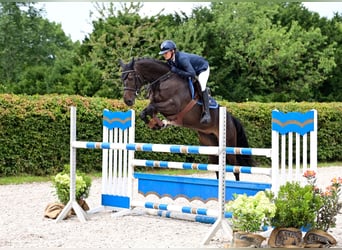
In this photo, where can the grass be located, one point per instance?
(23, 179)
(20, 179)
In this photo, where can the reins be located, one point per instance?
(139, 78)
(162, 78)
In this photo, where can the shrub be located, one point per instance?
(61, 183)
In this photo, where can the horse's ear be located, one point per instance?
(121, 63)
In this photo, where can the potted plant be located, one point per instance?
(249, 215)
(296, 206)
(296, 210)
(331, 204)
(326, 215)
(306, 208)
(61, 183)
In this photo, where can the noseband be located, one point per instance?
(137, 78)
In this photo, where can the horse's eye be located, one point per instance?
(124, 76)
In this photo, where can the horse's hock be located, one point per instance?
(118, 162)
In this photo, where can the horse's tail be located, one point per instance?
(242, 141)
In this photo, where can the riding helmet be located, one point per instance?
(166, 46)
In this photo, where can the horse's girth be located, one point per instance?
(178, 118)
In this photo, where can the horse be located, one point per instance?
(174, 98)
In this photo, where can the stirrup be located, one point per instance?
(205, 118)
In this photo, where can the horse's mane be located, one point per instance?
(152, 60)
(155, 63)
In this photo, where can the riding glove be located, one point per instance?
(180, 72)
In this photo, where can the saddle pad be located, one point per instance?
(212, 103)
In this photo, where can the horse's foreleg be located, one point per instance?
(149, 116)
(147, 112)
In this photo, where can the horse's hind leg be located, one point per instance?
(209, 140)
(231, 141)
(231, 160)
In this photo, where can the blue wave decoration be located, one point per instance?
(117, 119)
(301, 123)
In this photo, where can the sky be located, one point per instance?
(76, 22)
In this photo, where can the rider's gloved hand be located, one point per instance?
(174, 69)
(180, 72)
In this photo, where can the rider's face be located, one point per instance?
(168, 55)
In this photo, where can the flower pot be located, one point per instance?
(244, 239)
(317, 238)
(286, 237)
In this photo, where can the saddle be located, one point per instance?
(194, 89)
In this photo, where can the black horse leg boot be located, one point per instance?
(206, 113)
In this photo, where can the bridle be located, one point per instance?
(137, 79)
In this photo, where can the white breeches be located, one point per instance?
(203, 78)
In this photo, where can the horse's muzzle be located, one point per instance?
(129, 102)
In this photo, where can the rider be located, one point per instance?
(189, 65)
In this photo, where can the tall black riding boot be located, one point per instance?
(206, 113)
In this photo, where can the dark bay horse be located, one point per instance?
(171, 96)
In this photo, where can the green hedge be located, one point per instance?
(34, 131)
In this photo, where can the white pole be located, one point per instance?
(221, 221)
(72, 204)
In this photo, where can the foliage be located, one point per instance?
(120, 33)
(264, 60)
(61, 183)
(326, 216)
(35, 131)
(27, 40)
(250, 213)
(296, 206)
(262, 52)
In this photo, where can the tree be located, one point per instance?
(120, 33)
(331, 88)
(256, 51)
(262, 61)
(27, 42)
